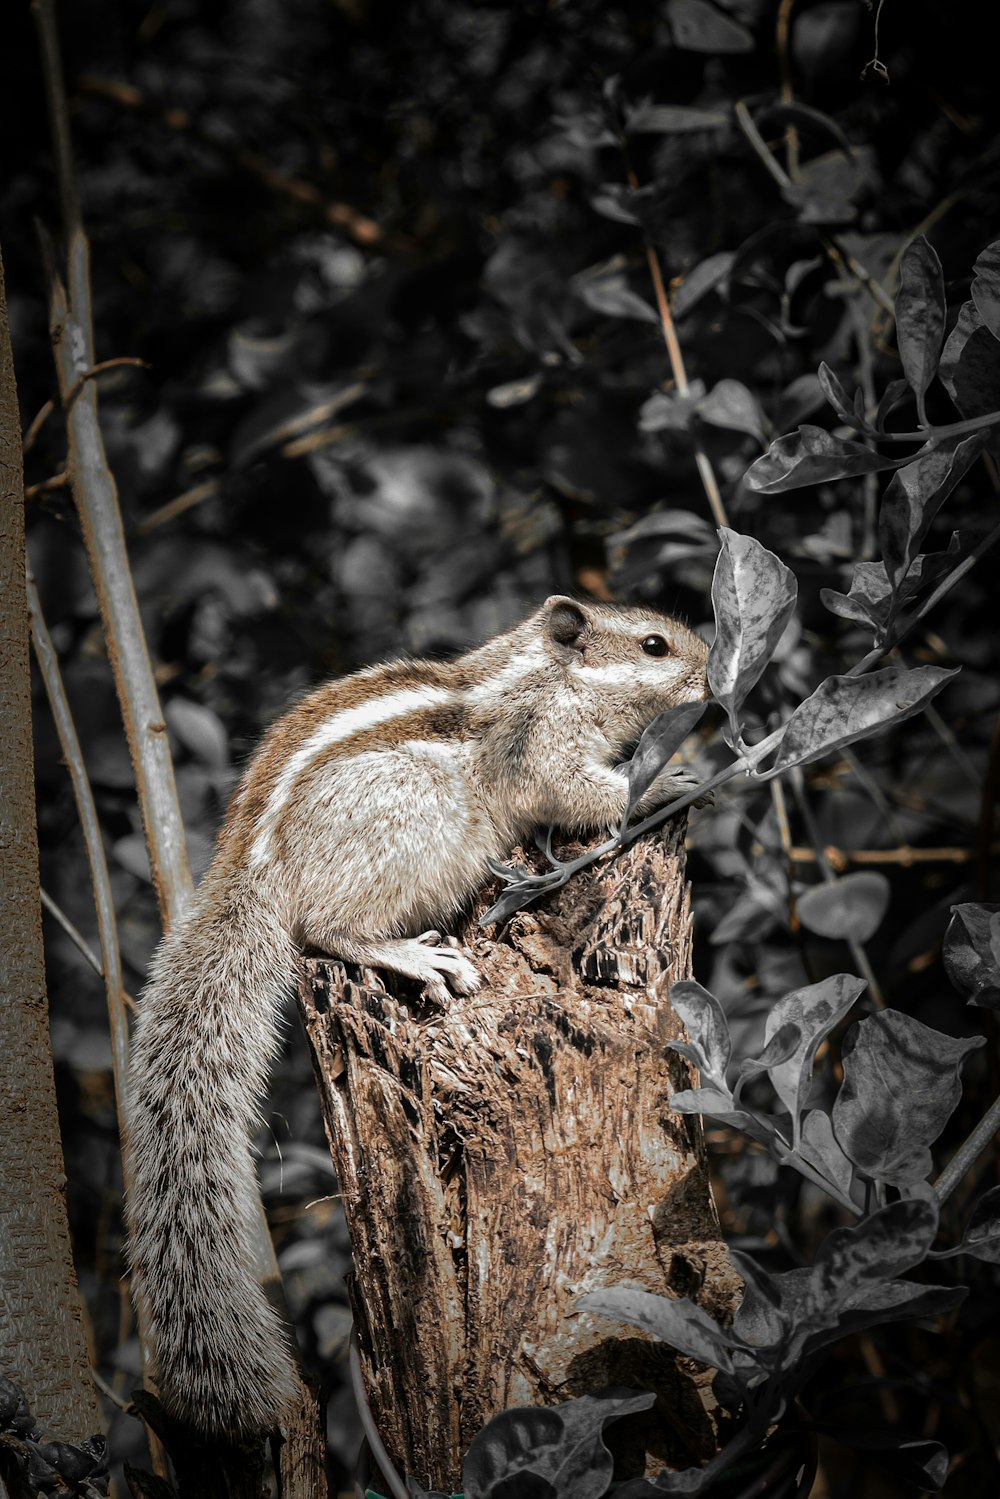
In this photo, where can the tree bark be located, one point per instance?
(42, 1343)
(498, 1160)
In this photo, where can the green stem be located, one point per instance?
(967, 1153)
(931, 434)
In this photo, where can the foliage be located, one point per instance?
(30, 1465)
(393, 275)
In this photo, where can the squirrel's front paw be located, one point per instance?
(447, 970)
(672, 783)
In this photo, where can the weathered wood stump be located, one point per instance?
(498, 1160)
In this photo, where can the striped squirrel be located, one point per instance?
(367, 815)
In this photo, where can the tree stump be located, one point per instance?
(498, 1160)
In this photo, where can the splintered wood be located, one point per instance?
(500, 1159)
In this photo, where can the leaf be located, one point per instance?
(199, 730)
(893, 394)
(619, 202)
(924, 1464)
(708, 1045)
(901, 1084)
(881, 1246)
(531, 1452)
(837, 396)
(718, 1104)
(665, 523)
(511, 900)
(815, 1011)
(676, 1321)
(972, 952)
(782, 1044)
(705, 277)
(915, 495)
(659, 741)
(753, 593)
(673, 411)
(673, 119)
(888, 1301)
(871, 600)
(970, 364)
(730, 404)
(613, 297)
(844, 709)
(514, 392)
(986, 287)
(818, 1145)
(849, 907)
(812, 455)
(982, 1236)
(699, 27)
(920, 313)
(867, 602)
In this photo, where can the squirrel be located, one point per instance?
(367, 816)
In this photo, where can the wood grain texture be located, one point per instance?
(502, 1158)
(42, 1343)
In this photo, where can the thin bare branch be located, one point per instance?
(107, 925)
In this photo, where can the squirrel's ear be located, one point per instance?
(564, 621)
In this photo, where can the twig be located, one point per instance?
(36, 425)
(785, 834)
(967, 1153)
(173, 508)
(47, 486)
(360, 228)
(704, 464)
(107, 926)
(781, 31)
(904, 856)
(99, 369)
(110, 1394)
(79, 941)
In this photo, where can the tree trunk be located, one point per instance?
(42, 1343)
(500, 1159)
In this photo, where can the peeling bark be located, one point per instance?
(500, 1159)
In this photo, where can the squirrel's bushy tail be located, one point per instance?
(206, 1033)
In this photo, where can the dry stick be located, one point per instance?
(36, 425)
(785, 833)
(73, 933)
(47, 486)
(100, 879)
(79, 941)
(904, 855)
(177, 506)
(669, 330)
(787, 93)
(701, 458)
(360, 228)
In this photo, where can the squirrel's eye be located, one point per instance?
(655, 645)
